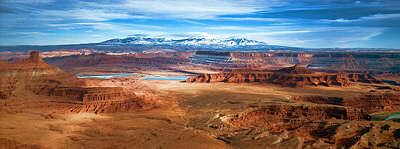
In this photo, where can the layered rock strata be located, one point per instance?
(295, 76)
(375, 102)
(32, 75)
(291, 114)
(369, 103)
(92, 94)
(358, 108)
(33, 78)
(102, 99)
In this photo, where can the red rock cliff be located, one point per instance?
(295, 76)
(32, 76)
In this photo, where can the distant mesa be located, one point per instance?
(295, 76)
(296, 69)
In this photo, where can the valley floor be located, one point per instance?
(190, 115)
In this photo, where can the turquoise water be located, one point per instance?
(108, 76)
(183, 78)
(392, 117)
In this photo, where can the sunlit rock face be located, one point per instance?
(295, 76)
(32, 76)
(102, 99)
(358, 107)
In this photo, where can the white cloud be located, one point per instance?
(28, 1)
(204, 9)
(281, 32)
(193, 9)
(270, 30)
(193, 22)
(358, 34)
(87, 14)
(381, 16)
(116, 27)
(21, 34)
(31, 33)
(120, 28)
(96, 35)
(366, 18)
(250, 19)
(240, 28)
(299, 36)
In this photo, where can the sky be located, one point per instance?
(297, 23)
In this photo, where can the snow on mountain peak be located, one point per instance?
(192, 41)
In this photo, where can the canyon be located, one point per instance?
(33, 77)
(47, 106)
(295, 76)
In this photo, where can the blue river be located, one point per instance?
(392, 117)
(108, 76)
(183, 78)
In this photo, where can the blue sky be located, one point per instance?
(300, 23)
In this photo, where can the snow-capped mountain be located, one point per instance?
(197, 42)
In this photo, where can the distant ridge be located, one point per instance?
(142, 43)
(190, 42)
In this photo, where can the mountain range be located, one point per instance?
(233, 42)
(141, 43)
(202, 43)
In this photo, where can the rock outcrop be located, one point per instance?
(145, 61)
(358, 107)
(10, 144)
(271, 113)
(289, 115)
(295, 76)
(319, 99)
(375, 102)
(329, 123)
(295, 70)
(129, 105)
(101, 99)
(33, 78)
(92, 94)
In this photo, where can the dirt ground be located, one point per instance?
(182, 121)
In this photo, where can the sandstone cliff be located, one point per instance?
(144, 61)
(375, 102)
(295, 76)
(102, 99)
(32, 78)
(358, 108)
(370, 103)
(276, 114)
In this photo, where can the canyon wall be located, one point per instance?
(363, 104)
(288, 115)
(375, 102)
(101, 99)
(293, 76)
(92, 94)
(143, 61)
(32, 78)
